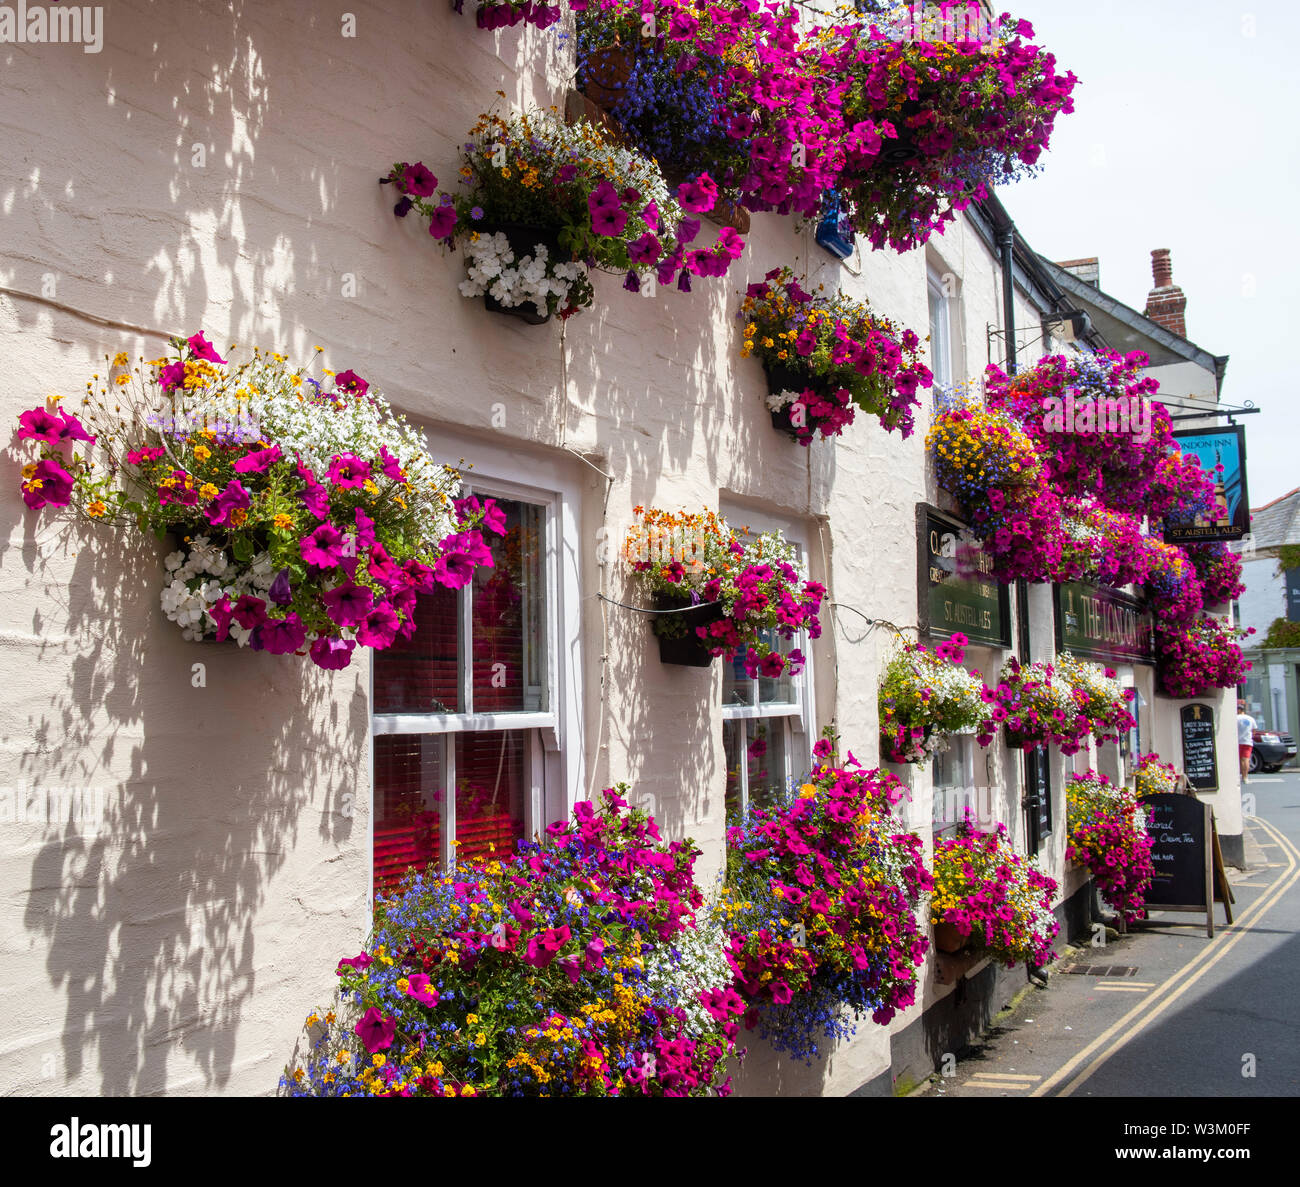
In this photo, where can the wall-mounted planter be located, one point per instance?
(790, 379)
(523, 240)
(675, 627)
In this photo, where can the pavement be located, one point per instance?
(1165, 1011)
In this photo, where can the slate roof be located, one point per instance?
(1277, 523)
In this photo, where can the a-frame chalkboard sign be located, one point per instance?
(1189, 868)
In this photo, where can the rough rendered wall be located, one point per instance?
(178, 947)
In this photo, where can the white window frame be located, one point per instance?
(797, 718)
(554, 737)
(936, 296)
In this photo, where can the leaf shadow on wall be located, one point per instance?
(147, 909)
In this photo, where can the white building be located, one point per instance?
(217, 172)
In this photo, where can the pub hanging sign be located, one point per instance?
(1222, 454)
(958, 592)
(1103, 624)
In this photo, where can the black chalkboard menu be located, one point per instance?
(1179, 826)
(1200, 758)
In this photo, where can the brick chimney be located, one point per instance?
(1166, 304)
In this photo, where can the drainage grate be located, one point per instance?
(1101, 970)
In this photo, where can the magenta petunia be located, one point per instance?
(375, 1031)
(379, 630)
(645, 250)
(201, 348)
(390, 465)
(172, 376)
(348, 604)
(49, 486)
(249, 612)
(348, 471)
(442, 222)
(323, 548)
(281, 636)
(420, 180)
(351, 382)
(258, 461)
(418, 987)
(606, 208)
(233, 498)
(331, 653)
(40, 425)
(699, 195)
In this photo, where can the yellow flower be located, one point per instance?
(122, 379)
(283, 522)
(370, 487)
(96, 509)
(120, 359)
(378, 1060)
(807, 791)
(470, 1019)
(207, 490)
(29, 469)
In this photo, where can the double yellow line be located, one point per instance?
(1096, 1053)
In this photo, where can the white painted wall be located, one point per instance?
(179, 948)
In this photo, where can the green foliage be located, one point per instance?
(1282, 634)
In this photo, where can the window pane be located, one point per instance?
(939, 362)
(732, 732)
(492, 788)
(765, 754)
(509, 616)
(408, 805)
(419, 675)
(737, 688)
(781, 690)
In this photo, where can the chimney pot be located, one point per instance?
(1162, 267)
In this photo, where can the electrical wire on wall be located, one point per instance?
(93, 318)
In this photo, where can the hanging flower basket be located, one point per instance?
(675, 629)
(607, 71)
(744, 586)
(524, 240)
(948, 939)
(309, 524)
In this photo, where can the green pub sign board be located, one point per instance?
(1104, 625)
(958, 593)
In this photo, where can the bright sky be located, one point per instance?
(1184, 136)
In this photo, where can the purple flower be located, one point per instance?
(323, 548)
(420, 180)
(645, 250)
(442, 222)
(280, 636)
(280, 592)
(332, 654)
(607, 214)
(314, 496)
(698, 195)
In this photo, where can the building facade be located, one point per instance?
(216, 171)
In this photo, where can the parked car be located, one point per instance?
(1270, 751)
